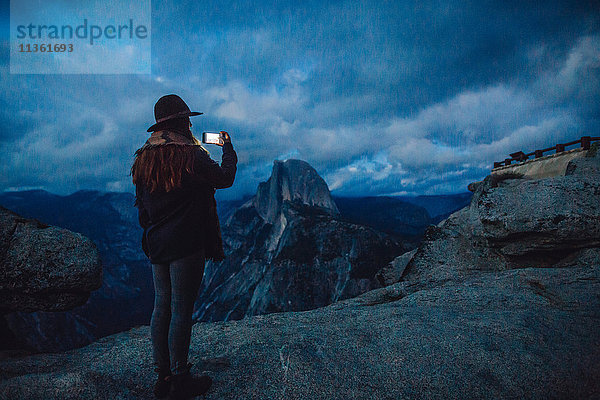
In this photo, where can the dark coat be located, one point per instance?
(181, 222)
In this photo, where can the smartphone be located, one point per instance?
(212, 138)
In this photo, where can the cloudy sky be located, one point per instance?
(381, 97)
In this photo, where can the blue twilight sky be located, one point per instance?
(381, 97)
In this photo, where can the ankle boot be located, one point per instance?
(162, 384)
(185, 385)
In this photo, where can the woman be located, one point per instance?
(175, 181)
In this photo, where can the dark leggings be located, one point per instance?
(175, 289)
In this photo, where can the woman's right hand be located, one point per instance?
(225, 137)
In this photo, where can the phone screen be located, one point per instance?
(211, 138)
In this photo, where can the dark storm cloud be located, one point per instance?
(380, 97)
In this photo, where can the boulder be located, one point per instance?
(515, 223)
(43, 267)
(392, 272)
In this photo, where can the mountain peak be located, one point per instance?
(292, 180)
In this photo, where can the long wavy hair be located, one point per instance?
(162, 167)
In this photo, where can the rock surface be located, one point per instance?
(288, 250)
(526, 333)
(43, 267)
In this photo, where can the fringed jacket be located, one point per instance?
(183, 221)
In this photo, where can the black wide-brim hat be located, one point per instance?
(169, 107)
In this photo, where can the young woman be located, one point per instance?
(175, 181)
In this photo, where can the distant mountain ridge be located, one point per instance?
(386, 214)
(405, 216)
(441, 206)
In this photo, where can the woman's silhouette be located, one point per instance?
(175, 181)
